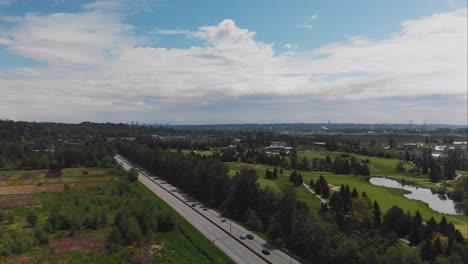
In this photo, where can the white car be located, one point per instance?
(243, 236)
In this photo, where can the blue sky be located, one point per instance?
(234, 61)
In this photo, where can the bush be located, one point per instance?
(40, 235)
(32, 218)
(166, 222)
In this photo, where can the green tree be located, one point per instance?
(287, 213)
(114, 240)
(132, 175)
(32, 218)
(253, 221)
(10, 217)
(435, 174)
(400, 167)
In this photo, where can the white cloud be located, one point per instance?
(290, 46)
(426, 58)
(161, 31)
(308, 22)
(80, 38)
(10, 19)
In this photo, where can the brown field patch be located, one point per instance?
(4, 177)
(84, 245)
(87, 179)
(31, 189)
(54, 173)
(29, 175)
(88, 184)
(7, 201)
(20, 260)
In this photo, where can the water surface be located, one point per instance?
(437, 202)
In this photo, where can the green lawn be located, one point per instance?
(281, 182)
(386, 197)
(201, 152)
(379, 167)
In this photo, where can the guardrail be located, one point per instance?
(211, 221)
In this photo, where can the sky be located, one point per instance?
(218, 62)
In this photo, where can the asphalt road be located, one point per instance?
(211, 224)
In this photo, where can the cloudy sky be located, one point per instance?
(213, 61)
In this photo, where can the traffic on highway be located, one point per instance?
(236, 241)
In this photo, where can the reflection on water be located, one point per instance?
(437, 202)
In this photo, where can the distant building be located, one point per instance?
(277, 147)
(439, 148)
(411, 145)
(230, 147)
(319, 143)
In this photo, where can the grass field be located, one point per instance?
(281, 182)
(200, 152)
(386, 197)
(382, 167)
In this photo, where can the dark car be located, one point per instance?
(250, 236)
(266, 251)
(193, 205)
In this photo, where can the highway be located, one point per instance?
(211, 224)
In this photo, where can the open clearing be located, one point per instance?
(39, 181)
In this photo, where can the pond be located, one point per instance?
(437, 202)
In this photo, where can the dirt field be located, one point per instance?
(76, 244)
(4, 177)
(31, 189)
(16, 200)
(57, 187)
(54, 173)
(29, 175)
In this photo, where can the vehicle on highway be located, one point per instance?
(205, 208)
(223, 220)
(250, 236)
(242, 236)
(266, 251)
(194, 205)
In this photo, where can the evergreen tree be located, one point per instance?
(377, 214)
(426, 250)
(354, 194)
(312, 184)
(437, 247)
(336, 202)
(407, 156)
(443, 226)
(416, 229)
(435, 173)
(323, 208)
(325, 191)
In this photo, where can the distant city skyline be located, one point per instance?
(234, 62)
